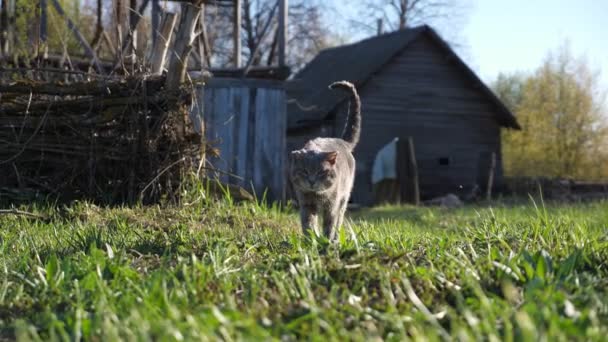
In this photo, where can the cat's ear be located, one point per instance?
(330, 157)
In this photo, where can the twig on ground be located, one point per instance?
(22, 213)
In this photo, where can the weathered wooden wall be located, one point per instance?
(245, 119)
(423, 94)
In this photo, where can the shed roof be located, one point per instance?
(310, 101)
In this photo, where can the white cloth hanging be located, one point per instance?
(385, 162)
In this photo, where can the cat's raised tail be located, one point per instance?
(352, 130)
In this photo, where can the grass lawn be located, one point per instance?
(218, 270)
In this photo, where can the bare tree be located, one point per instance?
(307, 32)
(400, 14)
(446, 16)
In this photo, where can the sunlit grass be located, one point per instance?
(214, 269)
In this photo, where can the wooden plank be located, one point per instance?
(222, 102)
(281, 131)
(249, 124)
(259, 141)
(210, 119)
(197, 110)
(229, 135)
(276, 145)
(266, 140)
(241, 126)
(251, 136)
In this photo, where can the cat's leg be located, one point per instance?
(341, 212)
(308, 218)
(330, 222)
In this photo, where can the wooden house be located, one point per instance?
(412, 84)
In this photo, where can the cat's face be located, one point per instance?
(313, 171)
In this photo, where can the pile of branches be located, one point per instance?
(109, 140)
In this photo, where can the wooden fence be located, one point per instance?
(246, 120)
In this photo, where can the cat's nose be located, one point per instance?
(311, 181)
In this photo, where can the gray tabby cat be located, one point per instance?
(323, 172)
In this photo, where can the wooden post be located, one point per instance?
(155, 19)
(118, 31)
(257, 47)
(96, 42)
(237, 33)
(283, 11)
(491, 171)
(407, 171)
(132, 25)
(206, 46)
(201, 40)
(3, 27)
(486, 168)
(133, 20)
(163, 39)
(36, 35)
(184, 43)
(9, 42)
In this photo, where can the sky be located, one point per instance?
(516, 35)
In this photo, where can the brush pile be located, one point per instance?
(109, 140)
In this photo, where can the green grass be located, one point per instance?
(218, 270)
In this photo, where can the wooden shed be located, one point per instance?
(412, 84)
(246, 120)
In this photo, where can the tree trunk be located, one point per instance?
(273, 47)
